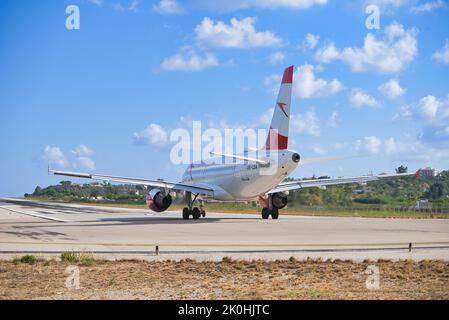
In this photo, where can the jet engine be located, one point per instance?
(279, 200)
(158, 201)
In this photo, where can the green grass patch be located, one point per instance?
(83, 258)
(27, 259)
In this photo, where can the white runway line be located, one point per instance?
(34, 214)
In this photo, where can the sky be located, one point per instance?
(106, 96)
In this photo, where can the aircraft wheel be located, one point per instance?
(265, 213)
(275, 213)
(203, 213)
(185, 214)
(196, 213)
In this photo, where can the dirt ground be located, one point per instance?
(225, 280)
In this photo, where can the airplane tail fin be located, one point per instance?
(278, 133)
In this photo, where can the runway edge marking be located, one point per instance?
(34, 214)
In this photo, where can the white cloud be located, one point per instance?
(54, 155)
(237, 34)
(327, 53)
(133, 6)
(189, 61)
(442, 55)
(82, 151)
(168, 7)
(392, 54)
(318, 149)
(433, 110)
(306, 85)
(310, 41)
(97, 2)
(359, 98)
(84, 163)
(391, 89)
(334, 119)
(277, 57)
(415, 151)
(428, 6)
(266, 117)
(232, 5)
(153, 135)
(307, 123)
(371, 144)
(272, 83)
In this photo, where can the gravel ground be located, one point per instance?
(189, 279)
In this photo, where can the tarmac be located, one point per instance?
(48, 229)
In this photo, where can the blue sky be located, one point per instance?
(104, 98)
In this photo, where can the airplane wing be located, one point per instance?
(299, 184)
(136, 181)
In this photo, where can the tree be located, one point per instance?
(401, 169)
(436, 191)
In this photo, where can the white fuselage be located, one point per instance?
(243, 181)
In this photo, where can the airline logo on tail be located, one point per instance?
(278, 134)
(282, 106)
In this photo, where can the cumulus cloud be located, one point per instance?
(133, 6)
(276, 57)
(83, 158)
(391, 54)
(238, 34)
(428, 6)
(371, 144)
(82, 151)
(310, 41)
(266, 117)
(359, 99)
(391, 89)
(334, 119)
(168, 7)
(153, 135)
(97, 2)
(416, 150)
(307, 85)
(433, 110)
(327, 53)
(305, 123)
(54, 155)
(84, 163)
(232, 5)
(189, 61)
(443, 54)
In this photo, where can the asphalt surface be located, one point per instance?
(47, 229)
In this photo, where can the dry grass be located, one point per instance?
(226, 280)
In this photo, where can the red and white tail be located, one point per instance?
(278, 134)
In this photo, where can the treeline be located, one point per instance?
(394, 191)
(403, 191)
(68, 191)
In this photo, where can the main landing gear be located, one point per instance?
(195, 212)
(268, 209)
(266, 212)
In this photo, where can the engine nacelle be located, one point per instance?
(278, 200)
(158, 201)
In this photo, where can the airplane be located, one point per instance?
(260, 177)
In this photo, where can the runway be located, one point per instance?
(47, 229)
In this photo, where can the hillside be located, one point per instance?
(397, 192)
